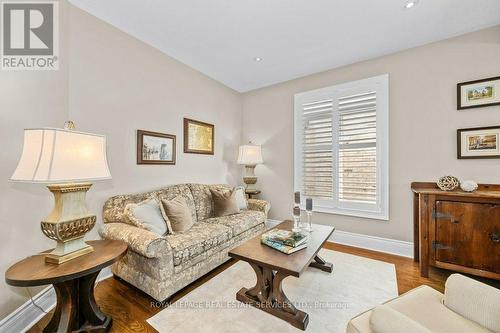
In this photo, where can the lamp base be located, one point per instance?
(68, 223)
(59, 259)
(250, 179)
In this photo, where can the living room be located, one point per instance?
(249, 108)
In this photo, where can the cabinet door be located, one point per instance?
(466, 234)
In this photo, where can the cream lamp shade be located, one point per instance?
(53, 155)
(66, 160)
(250, 154)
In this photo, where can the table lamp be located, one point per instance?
(66, 160)
(250, 155)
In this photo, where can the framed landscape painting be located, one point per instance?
(480, 142)
(198, 137)
(155, 148)
(479, 93)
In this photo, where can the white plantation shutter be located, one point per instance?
(357, 148)
(341, 147)
(317, 180)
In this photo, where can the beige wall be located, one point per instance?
(113, 85)
(119, 84)
(27, 99)
(423, 124)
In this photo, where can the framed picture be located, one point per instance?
(480, 142)
(199, 137)
(480, 93)
(155, 148)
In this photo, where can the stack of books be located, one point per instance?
(284, 240)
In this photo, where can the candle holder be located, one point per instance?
(297, 224)
(308, 227)
(309, 212)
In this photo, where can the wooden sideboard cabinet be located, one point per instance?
(457, 230)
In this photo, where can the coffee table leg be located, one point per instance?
(268, 295)
(320, 263)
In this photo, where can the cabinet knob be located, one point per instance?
(495, 238)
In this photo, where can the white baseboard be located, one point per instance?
(27, 315)
(386, 245)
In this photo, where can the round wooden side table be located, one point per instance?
(76, 308)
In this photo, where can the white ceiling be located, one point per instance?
(294, 38)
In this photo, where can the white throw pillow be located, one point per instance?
(473, 300)
(241, 199)
(148, 215)
(385, 319)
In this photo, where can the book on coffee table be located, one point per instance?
(285, 237)
(282, 247)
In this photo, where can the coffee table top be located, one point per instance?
(254, 252)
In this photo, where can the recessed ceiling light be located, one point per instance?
(410, 4)
(257, 59)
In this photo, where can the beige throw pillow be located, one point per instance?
(224, 203)
(177, 214)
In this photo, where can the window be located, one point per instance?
(342, 147)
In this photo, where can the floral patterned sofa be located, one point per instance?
(161, 265)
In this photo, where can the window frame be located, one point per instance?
(379, 84)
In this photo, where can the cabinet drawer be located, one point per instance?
(467, 234)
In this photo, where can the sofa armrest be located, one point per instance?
(473, 300)
(259, 205)
(141, 241)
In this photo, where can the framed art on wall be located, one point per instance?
(199, 137)
(479, 142)
(479, 93)
(155, 148)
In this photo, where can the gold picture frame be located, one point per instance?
(199, 137)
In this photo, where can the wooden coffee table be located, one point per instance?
(272, 267)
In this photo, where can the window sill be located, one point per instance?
(348, 212)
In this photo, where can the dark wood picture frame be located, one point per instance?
(459, 142)
(140, 141)
(187, 150)
(459, 94)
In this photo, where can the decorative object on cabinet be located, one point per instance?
(155, 148)
(457, 230)
(448, 183)
(468, 185)
(250, 155)
(478, 93)
(66, 160)
(199, 137)
(479, 142)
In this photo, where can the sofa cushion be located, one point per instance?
(224, 203)
(200, 238)
(240, 222)
(147, 215)
(203, 199)
(473, 300)
(423, 305)
(385, 319)
(177, 214)
(172, 192)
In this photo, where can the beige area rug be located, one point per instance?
(356, 285)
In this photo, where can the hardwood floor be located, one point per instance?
(130, 308)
